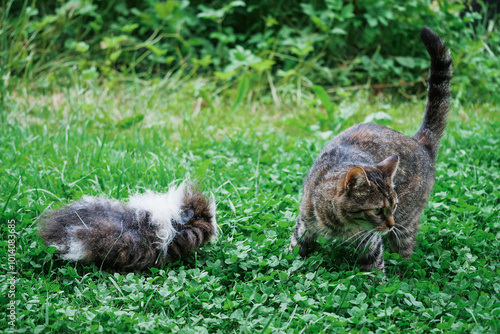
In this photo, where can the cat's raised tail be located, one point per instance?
(438, 92)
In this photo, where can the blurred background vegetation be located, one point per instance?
(261, 46)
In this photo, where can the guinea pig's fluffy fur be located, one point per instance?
(146, 231)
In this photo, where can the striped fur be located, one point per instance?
(438, 100)
(148, 230)
(371, 181)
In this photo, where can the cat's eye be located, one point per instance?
(377, 211)
(197, 218)
(395, 207)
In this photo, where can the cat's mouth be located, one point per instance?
(363, 224)
(385, 231)
(382, 230)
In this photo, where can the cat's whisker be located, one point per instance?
(398, 234)
(367, 244)
(352, 236)
(364, 235)
(399, 225)
(358, 236)
(403, 194)
(401, 231)
(371, 234)
(395, 230)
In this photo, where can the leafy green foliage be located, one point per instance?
(329, 42)
(57, 148)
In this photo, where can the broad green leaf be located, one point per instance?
(372, 22)
(224, 75)
(129, 27)
(169, 60)
(46, 21)
(156, 50)
(81, 47)
(242, 91)
(347, 11)
(200, 172)
(338, 31)
(405, 61)
(317, 21)
(378, 117)
(166, 8)
(203, 62)
(130, 121)
(322, 95)
(264, 65)
(114, 56)
(270, 21)
(112, 42)
(90, 73)
(211, 14)
(240, 57)
(286, 74)
(237, 3)
(218, 14)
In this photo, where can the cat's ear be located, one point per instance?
(187, 216)
(389, 166)
(355, 178)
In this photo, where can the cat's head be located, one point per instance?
(197, 224)
(367, 197)
(198, 212)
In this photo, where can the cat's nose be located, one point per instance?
(390, 222)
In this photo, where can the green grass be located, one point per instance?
(88, 139)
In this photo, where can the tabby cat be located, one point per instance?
(371, 181)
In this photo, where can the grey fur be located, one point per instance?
(125, 237)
